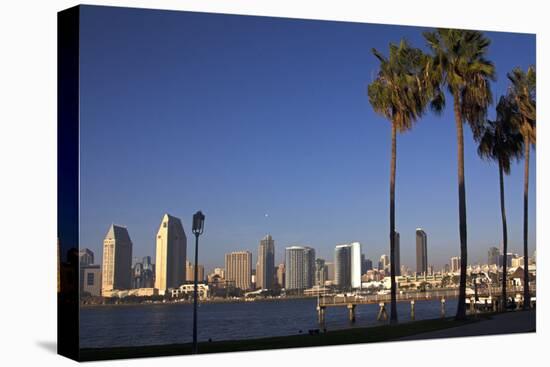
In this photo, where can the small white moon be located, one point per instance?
(266, 215)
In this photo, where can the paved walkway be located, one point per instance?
(506, 323)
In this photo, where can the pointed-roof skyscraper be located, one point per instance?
(117, 259)
(171, 254)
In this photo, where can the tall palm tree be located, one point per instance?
(523, 90)
(502, 142)
(459, 64)
(397, 94)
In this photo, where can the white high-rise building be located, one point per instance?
(117, 259)
(347, 269)
(355, 265)
(171, 254)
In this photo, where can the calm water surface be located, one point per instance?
(134, 325)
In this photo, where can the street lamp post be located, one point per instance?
(198, 229)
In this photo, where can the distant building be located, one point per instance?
(348, 265)
(265, 270)
(384, 263)
(238, 269)
(321, 272)
(355, 265)
(91, 280)
(397, 254)
(85, 257)
(281, 275)
(368, 265)
(171, 254)
(455, 264)
(421, 251)
(342, 266)
(493, 256)
(330, 270)
(117, 259)
(190, 272)
(509, 257)
(299, 267)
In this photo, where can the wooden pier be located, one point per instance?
(487, 299)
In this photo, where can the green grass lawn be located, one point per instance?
(336, 337)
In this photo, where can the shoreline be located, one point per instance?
(209, 301)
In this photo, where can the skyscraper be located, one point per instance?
(117, 259)
(299, 267)
(397, 254)
(342, 266)
(238, 269)
(384, 263)
(455, 264)
(265, 270)
(368, 265)
(493, 256)
(321, 272)
(171, 254)
(355, 265)
(421, 251)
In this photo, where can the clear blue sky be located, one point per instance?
(245, 116)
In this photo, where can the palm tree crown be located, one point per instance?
(397, 92)
(523, 90)
(459, 63)
(501, 140)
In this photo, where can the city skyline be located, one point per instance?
(316, 171)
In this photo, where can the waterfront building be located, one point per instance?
(421, 252)
(299, 267)
(493, 256)
(91, 280)
(455, 264)
(171, 254)
(342, 266)
(281, 275)
(265, 269)
(85, 257)
(368, 265)
(220, 272)
(509, 257)
(384, 263)
(330, 270)
(238, 269)
(321, 272)
(355, 276)
(117, 259)
(190, 272)
(397, 254)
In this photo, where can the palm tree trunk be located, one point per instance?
(526, 296)
(461, 308)
(393, 313)
(504, 235)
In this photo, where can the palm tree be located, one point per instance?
(523, 90)
(459, 63)
(397, 94)
(502, 142)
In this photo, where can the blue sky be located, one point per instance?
(246, 116)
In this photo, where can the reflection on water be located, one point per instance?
(132, 325)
